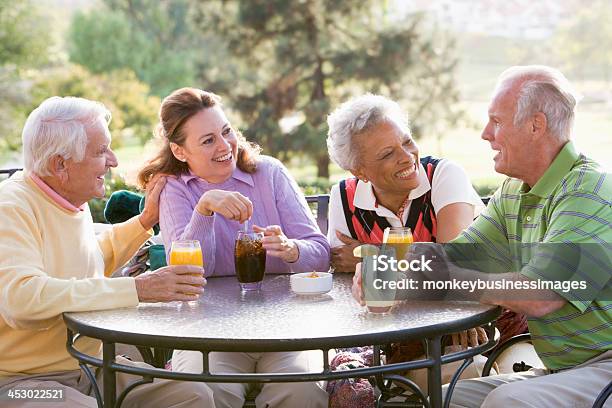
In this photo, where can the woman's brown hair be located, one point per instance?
(174, 112)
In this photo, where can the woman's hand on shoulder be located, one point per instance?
(230, 204)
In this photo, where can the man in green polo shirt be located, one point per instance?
(555, 196)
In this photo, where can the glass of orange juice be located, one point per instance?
(186, 252)
(400, 238)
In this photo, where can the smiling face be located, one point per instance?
(388, 157)
(514, 157)
(84, 180)
(211, 145)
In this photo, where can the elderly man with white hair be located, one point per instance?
(558, 198)
(52, 262)
(544, 247)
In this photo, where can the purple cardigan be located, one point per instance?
(277, 200)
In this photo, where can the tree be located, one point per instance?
(24, 42)
(584, 42)
(305, 57)
(149, 37)
(15, 98)
(28, 76)
(134, 111)
(24, 37)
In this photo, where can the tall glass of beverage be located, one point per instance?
(396, 241)
(186, 252)
(250, 260)
(398, 238)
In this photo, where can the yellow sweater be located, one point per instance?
(51, 262)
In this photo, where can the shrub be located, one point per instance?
(318, 186)
(113, 182)
(486, 189)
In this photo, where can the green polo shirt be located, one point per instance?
(569, 206)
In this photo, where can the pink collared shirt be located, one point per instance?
(53, 195)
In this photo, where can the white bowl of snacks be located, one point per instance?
(311, 283)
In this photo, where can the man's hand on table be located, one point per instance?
(356, 288)
(170, 283)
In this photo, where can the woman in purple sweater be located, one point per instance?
(220, 182)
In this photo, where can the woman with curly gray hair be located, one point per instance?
(392, 185)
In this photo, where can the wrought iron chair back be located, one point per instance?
(322, 203)
(6, 173)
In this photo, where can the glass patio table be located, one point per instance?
(276, 319)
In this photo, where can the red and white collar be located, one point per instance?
(365, 198)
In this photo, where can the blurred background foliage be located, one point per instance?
(281, 66)
(306, 57)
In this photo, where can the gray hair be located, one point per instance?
(59, 127)
(357, 116)
(547, 90)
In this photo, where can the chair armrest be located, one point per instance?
(521, 338)
(603, 396)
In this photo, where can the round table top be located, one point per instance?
(275, 319)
